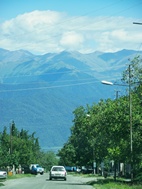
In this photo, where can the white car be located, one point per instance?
(58, 172)
(3, 174)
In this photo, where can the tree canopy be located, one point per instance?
(102, 131)
(21, 148)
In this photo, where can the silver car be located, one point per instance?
(3, 174)
(58, 172)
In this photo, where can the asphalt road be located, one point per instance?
(43, 182)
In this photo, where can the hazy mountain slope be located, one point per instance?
(40, 92)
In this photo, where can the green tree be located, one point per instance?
(105, 133)
(18, 147)
(4, 148)
(48, 159)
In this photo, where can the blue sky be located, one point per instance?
(128, 8)
(42, 26)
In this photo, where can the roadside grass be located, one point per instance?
(111, 184)
(16, 176)
(108, 183)
(1, 183)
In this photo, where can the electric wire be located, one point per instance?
(49, 87)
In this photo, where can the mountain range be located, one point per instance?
(40, 92)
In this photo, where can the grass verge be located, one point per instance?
(100, 183)
(16, 176)
(111, 184)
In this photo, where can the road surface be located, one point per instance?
(43, 182)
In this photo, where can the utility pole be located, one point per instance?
(117, 94)
(131, 124)
(130, 117)
(10, 138)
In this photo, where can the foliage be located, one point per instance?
(133, 73)
(105, 133)
(48, 159)
(20, 148)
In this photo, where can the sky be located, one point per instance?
(86, 26)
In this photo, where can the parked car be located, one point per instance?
(78, 170)
(3, 174)
(58, 172)
(36, 168)
(26, 169)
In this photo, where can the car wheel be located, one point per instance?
(35, 172)
(50, 178)
(65, 178)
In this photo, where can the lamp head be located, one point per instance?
(106, 82)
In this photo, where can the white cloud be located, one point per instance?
(49, 31)
(71, 40)
(120, 34)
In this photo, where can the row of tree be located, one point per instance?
(21, 148)
(101, 132)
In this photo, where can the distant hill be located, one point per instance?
(40, 92)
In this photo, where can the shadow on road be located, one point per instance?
(62, 182)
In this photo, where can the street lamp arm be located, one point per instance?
(107, 82)
(137, 23)
(110, 83)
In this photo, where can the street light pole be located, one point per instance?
(130, 116)
(94, 163)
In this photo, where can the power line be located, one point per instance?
(49, 87)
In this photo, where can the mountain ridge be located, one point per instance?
(40, 92)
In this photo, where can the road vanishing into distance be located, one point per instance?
(43, 182)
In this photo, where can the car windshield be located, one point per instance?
(58, 169)
(38, 166)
